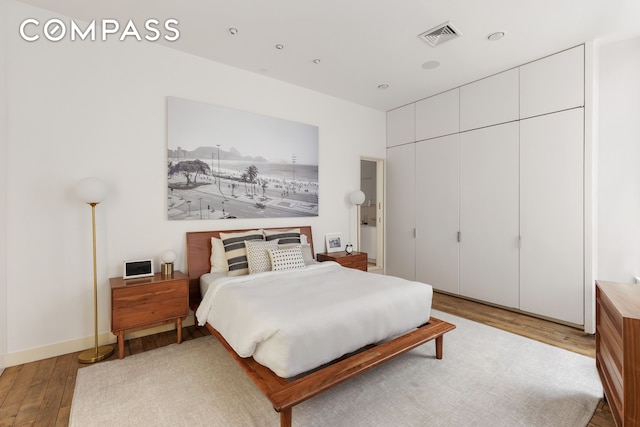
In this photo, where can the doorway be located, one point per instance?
(370, 213)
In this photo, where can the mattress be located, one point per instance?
(296, 320)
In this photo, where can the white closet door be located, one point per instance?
(551, 263)
(553, 83)
(401, 125)
(489, 214)
(401, 211)
(437, 213)
(489, 101)
(438, 115)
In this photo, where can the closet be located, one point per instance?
(551, 215)
(487, 200)
(489, 214)
(400, 206)
(437, 210)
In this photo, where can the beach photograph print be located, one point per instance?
(224, 164)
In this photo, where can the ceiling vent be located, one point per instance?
(440, 34)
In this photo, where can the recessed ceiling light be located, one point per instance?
(316, 61)
(279, 46)
(429, 65)
(233, 31)
(383, 86)
(496, 36)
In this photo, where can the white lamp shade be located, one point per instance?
(91, 190)
(168, 257)
(357, 197)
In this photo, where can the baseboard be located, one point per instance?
(55, 350)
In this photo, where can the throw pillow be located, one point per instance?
(286, 259)
(236, 252)
(258, 255)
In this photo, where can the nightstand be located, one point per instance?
(149, 301)
(357, 260)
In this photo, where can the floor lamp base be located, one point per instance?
(96, 354)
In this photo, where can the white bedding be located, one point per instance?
(294, 321)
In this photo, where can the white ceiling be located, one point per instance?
(364, 43)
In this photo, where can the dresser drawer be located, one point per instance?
(618, 349)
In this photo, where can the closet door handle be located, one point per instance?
(459, 237)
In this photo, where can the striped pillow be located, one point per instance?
(236, 252)
(284, 237)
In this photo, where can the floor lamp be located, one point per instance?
(93, 191)
(357, 198)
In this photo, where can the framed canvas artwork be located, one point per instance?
(224, 164)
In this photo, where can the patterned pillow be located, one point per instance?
(306, 251)
(286, 259)
(258, 255)
(218, 260)
(283, 236)
(236, 252)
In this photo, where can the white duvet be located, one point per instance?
(294, 321)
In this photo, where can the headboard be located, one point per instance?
(199, 255)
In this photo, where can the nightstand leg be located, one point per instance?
(121, 344)
(179, 328)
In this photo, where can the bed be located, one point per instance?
(286, 368)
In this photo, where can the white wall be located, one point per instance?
(619, 161)
(80, 109)
(3, 186)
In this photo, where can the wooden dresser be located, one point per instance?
(618, 349)
(357, 260)
(150, 301)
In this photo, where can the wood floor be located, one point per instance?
(40, 393)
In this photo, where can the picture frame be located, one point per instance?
(334, 242)
(225, 164)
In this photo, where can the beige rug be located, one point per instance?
(488, 377)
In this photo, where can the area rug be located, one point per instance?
(488, 377)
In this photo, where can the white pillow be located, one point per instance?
(286, 259)
(219, 262)
(258, 255)
(307, 254)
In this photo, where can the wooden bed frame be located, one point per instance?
(285, 394)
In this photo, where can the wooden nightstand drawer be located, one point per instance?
(145, 314)
(356, 260)
(141, 303)
(151, 293)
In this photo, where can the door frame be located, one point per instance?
(380, 184)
